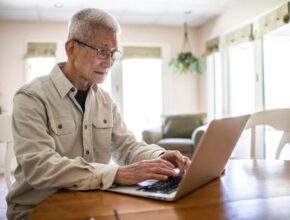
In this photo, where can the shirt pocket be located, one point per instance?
(63, 126)
(102, 122)
(102, 134)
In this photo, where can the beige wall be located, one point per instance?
(181, 91)
(13, 39)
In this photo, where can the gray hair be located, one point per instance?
(84, 22)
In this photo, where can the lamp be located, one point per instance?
(185, 61)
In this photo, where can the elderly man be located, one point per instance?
(66, 128)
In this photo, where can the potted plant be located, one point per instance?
(185, 61)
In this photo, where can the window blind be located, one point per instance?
(212, 46)
(40, 50)
(273, 20)
(142, 52)
(240, 35)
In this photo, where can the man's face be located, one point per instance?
(89, 67)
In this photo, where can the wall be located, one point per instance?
(13, 39)
(15, 35)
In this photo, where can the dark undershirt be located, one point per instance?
(81, 97)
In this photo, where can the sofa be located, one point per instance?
(178, 132)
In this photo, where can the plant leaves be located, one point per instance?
(186, 62)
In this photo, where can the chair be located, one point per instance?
(279, 119)
(7, 138)
(178, 132)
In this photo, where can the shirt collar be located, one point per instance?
(62, 83)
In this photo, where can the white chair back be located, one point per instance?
(279, 119)
(7, 138)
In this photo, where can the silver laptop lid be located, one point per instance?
(212, 153)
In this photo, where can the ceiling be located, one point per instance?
(151, 12)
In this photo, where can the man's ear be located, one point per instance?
(69, 49)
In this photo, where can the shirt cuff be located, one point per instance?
(104, 176)
(157, 153)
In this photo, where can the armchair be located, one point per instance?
(178, 132)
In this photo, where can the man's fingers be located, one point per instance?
(157, 163)
(177, 159)
(168, 163)
(163, 171)
(158, 166)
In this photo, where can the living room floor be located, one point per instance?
(3, 193)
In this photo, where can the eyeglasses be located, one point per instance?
(102, 53)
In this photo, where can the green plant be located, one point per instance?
(186, 62)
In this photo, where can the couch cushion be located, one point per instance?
(184, 145)
(182, 126)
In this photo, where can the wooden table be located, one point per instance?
(250, 189)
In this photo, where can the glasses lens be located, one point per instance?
(116, 55)
(105, 54)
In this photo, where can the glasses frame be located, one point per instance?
(101, 52)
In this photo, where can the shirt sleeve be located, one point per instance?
(41, 166)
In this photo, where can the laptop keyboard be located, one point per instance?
(163, 186)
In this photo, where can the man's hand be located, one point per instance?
(158, 169)
(177, 159)
(132, 174)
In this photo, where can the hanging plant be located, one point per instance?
(185, 61)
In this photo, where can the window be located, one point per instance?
(276, 53)
(41, 57)
(38, 66)
(241, 89)
(214, 80)
(241, 79)
(255, 66)
(137, 87)
(276, 70)
(142, 94)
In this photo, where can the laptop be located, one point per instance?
(207, 163)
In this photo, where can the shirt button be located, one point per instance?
(105, 121)
(87, 152)
(60, 126)
(75, 185)
(86, 126)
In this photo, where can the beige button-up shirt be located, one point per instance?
(57, 145)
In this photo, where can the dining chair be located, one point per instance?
(7, 139)
(278, 119)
